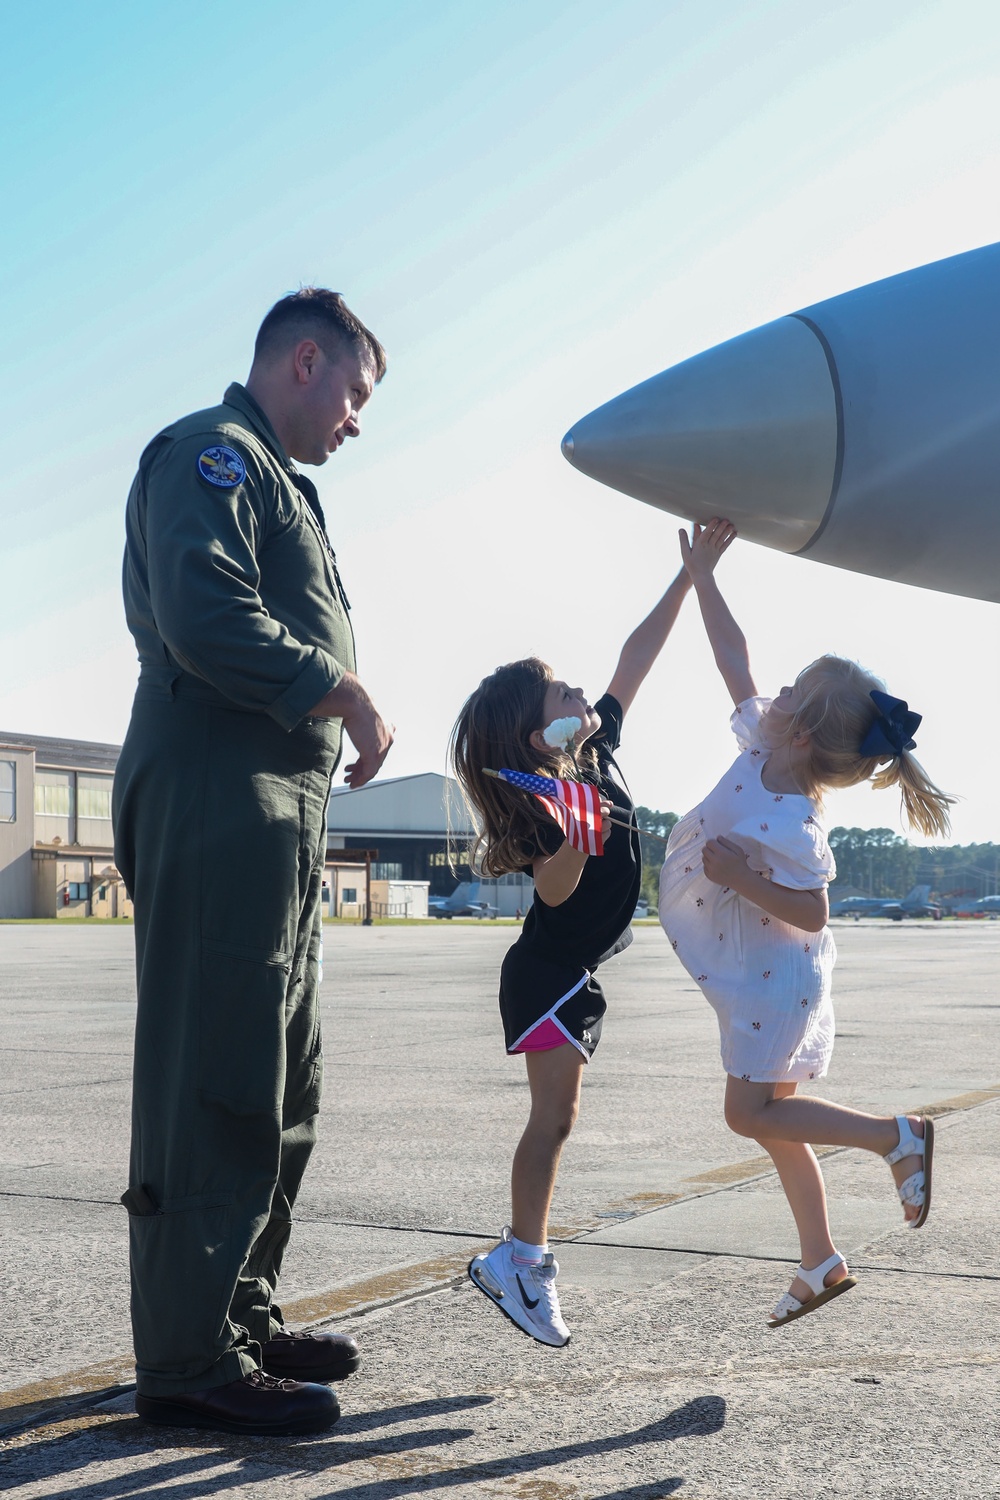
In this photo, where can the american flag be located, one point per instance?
(575, 806)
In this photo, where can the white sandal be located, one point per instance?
(790, 1307)
(915, 1192)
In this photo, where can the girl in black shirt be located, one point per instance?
(524, 719)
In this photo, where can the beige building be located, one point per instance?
(56, 845)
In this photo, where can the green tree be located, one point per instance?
(875, 860)
(960, 870)
(652, 821)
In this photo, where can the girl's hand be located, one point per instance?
(701, 554)
(725, 862)
(558, 875)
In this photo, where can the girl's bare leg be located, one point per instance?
(554, 1078)
(802, 1181)
(765, 1112)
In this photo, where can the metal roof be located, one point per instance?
(72, 755)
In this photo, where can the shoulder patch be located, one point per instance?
(222, 466)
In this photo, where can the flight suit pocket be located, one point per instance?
(241, 1042)
(303, 1046)
(184, 1271)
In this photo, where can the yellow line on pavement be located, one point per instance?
(377, 1291)
(407, 1281)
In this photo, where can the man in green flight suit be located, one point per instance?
(247, 680)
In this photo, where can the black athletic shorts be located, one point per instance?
(546, 1004)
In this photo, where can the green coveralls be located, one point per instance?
(233, 596)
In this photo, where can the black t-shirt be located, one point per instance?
(593, 923)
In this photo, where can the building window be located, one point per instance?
(448, 859)
(93, 797)
(387, 871)
(93, 809)
(79, 890)
(55, 807)
(53, 794)
(8, 791)
(349, 895)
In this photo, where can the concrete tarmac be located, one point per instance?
(675, 1240)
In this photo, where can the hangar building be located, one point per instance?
(57, 854)
(417, 829)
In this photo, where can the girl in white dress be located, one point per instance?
(743, 900)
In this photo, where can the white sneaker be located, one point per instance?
(527, 1294)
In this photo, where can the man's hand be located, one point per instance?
(372, 738)
(725, 862)
(701, 554)
(369, 734)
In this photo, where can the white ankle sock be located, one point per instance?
(527, 1255)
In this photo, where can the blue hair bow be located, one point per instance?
(892, 732)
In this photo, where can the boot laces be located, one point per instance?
(265, 1382)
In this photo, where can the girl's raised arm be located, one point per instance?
(700, 555)
(646, 642)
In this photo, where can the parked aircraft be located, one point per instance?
(862, 431)
(915, 903)
(860, 906)
(463, 902)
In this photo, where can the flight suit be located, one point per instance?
(234, 599)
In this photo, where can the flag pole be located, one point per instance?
(618, 823)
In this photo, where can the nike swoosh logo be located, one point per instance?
(529, 1304)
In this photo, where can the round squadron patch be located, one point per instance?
(222, 466)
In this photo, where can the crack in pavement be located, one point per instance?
(44, 1402)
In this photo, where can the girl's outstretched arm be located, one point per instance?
(646, 642)
(700, 555)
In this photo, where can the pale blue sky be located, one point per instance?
(534, 207)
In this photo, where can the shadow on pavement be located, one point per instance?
(698, 1418)
(386, 1416)
(57, 1455)
(140, 1482)
(658, 1490)
(190, 1477)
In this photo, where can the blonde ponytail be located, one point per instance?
(925, 805)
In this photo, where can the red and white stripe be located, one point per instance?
(578, 813)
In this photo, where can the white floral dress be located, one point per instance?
(768, 983)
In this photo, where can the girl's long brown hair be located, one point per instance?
(836, 712)
(493, 731)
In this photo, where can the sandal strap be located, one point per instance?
(909, 1144)
(787, 1304)
(913, 1191)
(816, 1278)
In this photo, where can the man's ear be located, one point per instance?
(305, 357)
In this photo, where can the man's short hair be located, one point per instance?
(313, 312)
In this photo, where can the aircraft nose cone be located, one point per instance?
(747, 430)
